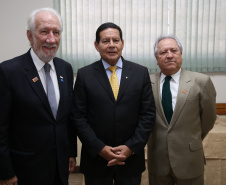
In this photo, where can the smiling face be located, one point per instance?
(46, 37)
(110, 45)
(169, 56)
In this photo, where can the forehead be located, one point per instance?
(47, 20)
(167, 43)
(109, 32)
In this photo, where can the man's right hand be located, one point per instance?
(12, 181)
(109, 155)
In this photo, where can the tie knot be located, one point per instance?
(47, 67)
(112, 68)
(167, 78)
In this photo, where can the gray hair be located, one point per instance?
(31, 19)
(166, 37)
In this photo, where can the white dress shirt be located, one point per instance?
(41, 72)
(118, 70)
(174, 85)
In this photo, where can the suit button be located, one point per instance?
(116, 123)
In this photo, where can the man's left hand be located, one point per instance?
(72, 164)
(122, 149)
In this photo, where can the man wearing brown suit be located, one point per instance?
(185, 113)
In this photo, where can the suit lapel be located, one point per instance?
(35, 81)
(183, 92)
(102, 77)
(126, 77)
(155, 80)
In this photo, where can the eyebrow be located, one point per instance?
(43, 28)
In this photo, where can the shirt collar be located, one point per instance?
(175, 77)
(119, 64)
(39, 63)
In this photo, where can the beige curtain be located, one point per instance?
(200, 25)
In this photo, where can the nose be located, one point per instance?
(51, 38)
(169, 54)
(111, 43)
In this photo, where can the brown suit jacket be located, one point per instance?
(178, 145)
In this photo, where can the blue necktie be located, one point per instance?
(50, 90)
(167, 99)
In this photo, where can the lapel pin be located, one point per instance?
(35, 79)
(184, 91)
(61, 78)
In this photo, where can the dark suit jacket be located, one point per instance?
(100, 120)
(32, 142)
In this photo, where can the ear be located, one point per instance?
(122, 43)
(157, 60)
(30, 36)
(96, 45)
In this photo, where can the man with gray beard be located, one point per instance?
(36, 146)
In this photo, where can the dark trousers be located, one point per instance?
(57, 179)
(113, 179)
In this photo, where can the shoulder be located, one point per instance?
(197, 79)
(195, 76)
(154, 77)
(133, 65)
(90, 67)
(14, 63)
(62, 62)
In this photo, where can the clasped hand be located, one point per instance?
(115, 155)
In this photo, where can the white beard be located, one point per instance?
(43, 56)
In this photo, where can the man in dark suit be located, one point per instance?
(35, 145)
(183, 118)
(113, 124)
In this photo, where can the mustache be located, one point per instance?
(49, 45)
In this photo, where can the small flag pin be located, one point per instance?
(35, 79)
(61, 78)
(184, 91)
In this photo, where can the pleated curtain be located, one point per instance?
(200, 25)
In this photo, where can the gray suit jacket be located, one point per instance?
(178, 145)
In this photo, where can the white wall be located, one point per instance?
(219, 81)
(13, 20)
(13, 40)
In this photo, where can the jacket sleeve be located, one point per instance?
(146, 119)
(6, 166)
(80, 122)
(208, 107)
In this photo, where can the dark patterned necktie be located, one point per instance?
(167, 99)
